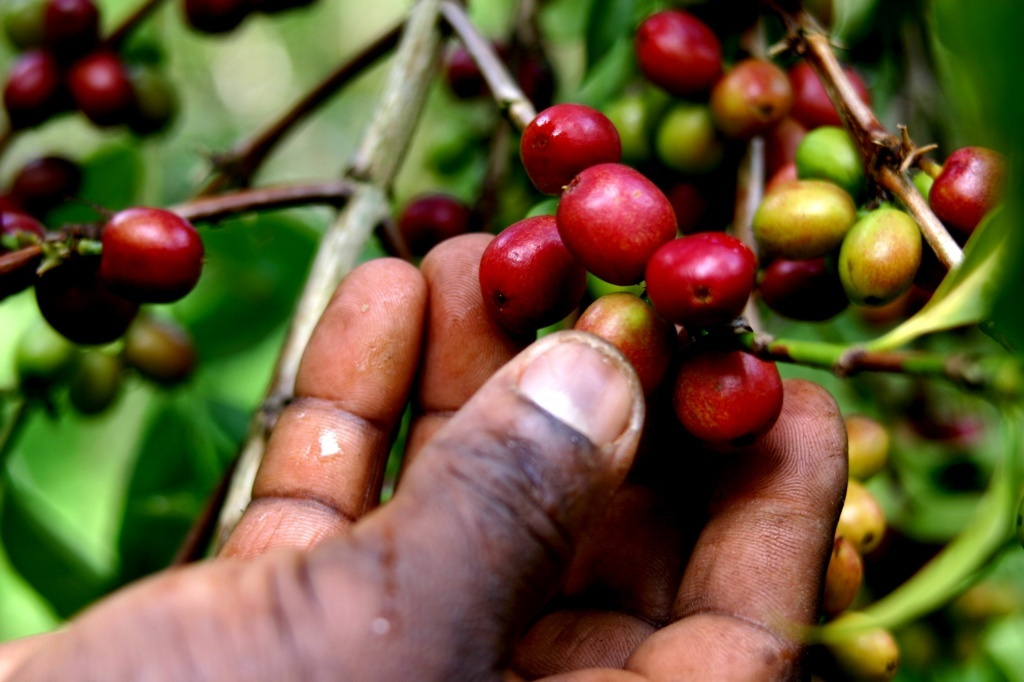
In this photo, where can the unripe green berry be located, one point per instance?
(160, 350)
(880, 256)
(924, 183)
(803, 219)
(155, 102)
(95, 382)
(1020, 522)
(23, 22)
(687, 140)
(829, 153)
(631, 117)
(42, 357)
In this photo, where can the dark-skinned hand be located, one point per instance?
(532, 533)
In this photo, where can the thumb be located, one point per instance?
(475, 541)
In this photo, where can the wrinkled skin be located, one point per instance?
(519, 544)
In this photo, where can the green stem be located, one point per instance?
(958, 564)
(999, 377)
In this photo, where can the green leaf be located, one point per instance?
(254, 270)
(608, 76)
(966, 294)
(608, 22)
(45, 552)
(112, 179)
(181, 460)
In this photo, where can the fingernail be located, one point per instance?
(583, 387)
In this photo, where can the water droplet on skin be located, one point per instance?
(380, 626)
(329, 444)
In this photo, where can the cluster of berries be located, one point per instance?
(65, 66)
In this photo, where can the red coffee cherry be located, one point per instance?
(71, 27)
(701, 279)
(463, 75)
(780, 144)
(690, 204)
(101, 89)
(612, 219)
(969, 186)
(428, 220)
(80, 305)
(45, 182)
(782, 176)
(646, 338)
(751, 99)
(534, 74)
(811, 105)
(34, 90)
(727, 399)
(563, 140)
(151, 255)
(215, 16)
(13, 222)
(678, 52)
(528, 278)
(803, 289)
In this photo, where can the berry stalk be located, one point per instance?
(998, 377)
(124, 29)
(881, 151)
(372, 171)
(236, 167)
(507, 93)
(212, 209)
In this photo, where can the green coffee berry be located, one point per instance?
(803, 219)
(880, 256)
(829, 153)
(687, 140)
(95, 381)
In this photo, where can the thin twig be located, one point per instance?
(372, 170)
(125, 28)
(237, 167)
(507, 93)
(1000, 377)
(211, 209)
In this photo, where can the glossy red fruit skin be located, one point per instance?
(34, 90)
(811, 105)
(782, 176)
(564, 139)
(701, 279)
(613, 219)
(528, 278)
(13, 222)
(726, 399)
(678, 52)
(969, 186)
(79, 304)
(150, 255)
(428, 220)
(45, 182)
(215, 16)
(101, 89)
(751, 99)
(780, 144)
(646, 338)
(803, 290)
(71, 27)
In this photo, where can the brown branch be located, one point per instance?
(237, 167)
(212, 209)
(506, 92)
(15, 261)
(124, 29)
(883, 153)
(372, 170)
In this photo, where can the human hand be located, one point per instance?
(522, 541)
